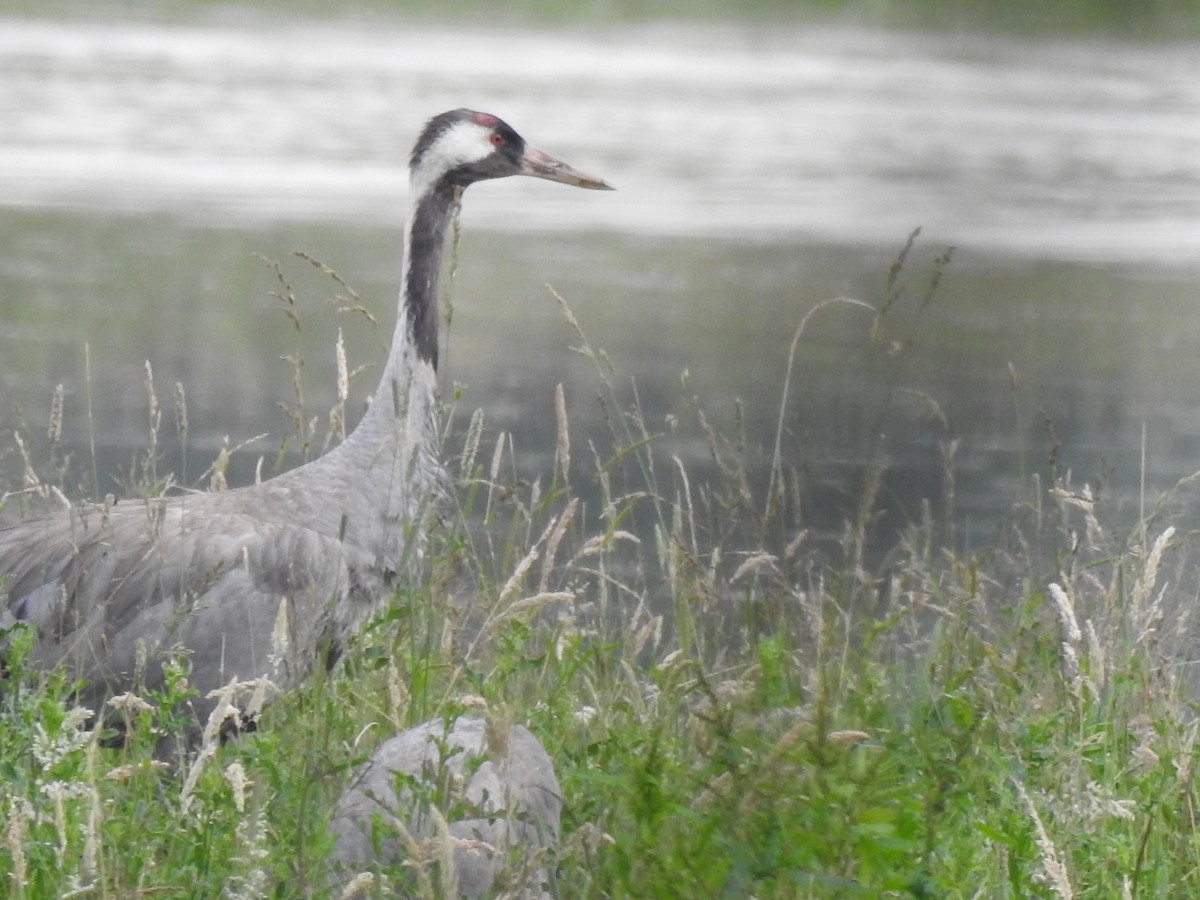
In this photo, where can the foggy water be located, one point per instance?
(1063, 149)
(759, 173)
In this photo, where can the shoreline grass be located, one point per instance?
(1155, 20)
(734, 707)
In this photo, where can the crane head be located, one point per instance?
(464, 146)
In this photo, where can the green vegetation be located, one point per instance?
(1171, 19)
(736, 708)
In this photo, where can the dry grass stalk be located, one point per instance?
(1053, 869)
(553, 539)
(1146, 614)
(563, 445)
(471, 443)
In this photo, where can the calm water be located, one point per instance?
(142, 167)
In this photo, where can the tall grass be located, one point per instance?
(1147, 19)
(734, 707)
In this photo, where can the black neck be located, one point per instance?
(427, 227)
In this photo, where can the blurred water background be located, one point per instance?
(150, 159)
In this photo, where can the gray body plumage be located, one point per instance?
(248, 583)
(258, 581)
(239, 602)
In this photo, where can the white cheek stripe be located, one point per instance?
(465, 143)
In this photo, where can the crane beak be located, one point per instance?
(542, 165)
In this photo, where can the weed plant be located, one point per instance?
(735, 708)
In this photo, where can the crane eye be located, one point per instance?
(496, 138)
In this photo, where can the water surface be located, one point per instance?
(142, 167)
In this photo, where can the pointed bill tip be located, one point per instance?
(538, 164)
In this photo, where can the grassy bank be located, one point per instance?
(1152, 19)
(735, 707)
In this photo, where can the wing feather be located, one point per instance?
(114, 594)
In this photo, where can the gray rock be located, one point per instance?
(494, 788)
